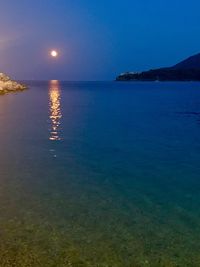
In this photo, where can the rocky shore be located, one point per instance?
(7, 85)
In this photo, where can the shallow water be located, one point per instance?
(100, 174)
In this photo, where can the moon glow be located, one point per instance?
(54, 53)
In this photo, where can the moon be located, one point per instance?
(54, 53)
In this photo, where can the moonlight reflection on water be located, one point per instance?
(55, 113)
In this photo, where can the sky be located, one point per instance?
(96, 40)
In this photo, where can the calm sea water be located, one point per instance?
(100, 174)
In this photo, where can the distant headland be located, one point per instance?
(186, 70)
(7, 85)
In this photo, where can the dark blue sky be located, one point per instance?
(96, 39)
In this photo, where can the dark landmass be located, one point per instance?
(186, 70)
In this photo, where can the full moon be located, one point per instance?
(54, 53)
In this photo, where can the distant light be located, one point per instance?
(54, 53)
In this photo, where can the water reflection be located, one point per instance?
(55, 113)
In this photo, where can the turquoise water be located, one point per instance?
(100, 174)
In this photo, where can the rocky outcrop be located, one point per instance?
(7, 85)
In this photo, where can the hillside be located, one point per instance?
(192, 62)
(186, 70)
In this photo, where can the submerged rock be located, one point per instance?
(7, 85)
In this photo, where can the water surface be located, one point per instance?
(100, 174)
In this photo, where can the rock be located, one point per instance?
(7, 85)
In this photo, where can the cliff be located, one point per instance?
(7, 85)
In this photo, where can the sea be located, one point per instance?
(100, 174)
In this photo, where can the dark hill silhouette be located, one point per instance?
(186, 70)
(192, 62)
